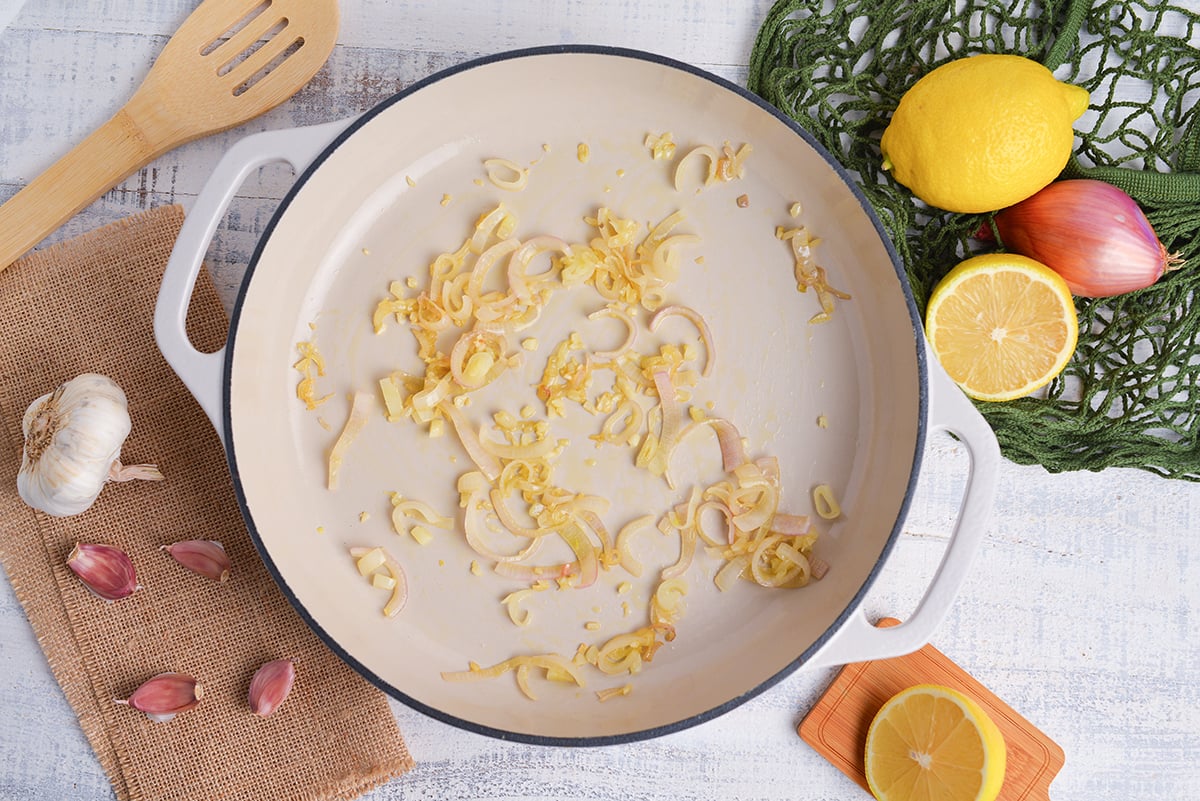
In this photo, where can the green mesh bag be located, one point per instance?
(1131, 395)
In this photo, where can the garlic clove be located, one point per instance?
(270, 686)
(107, 571)
(164, 696)
(206, 557)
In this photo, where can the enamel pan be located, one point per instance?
(848, 403)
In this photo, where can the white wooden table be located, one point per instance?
(1082, 610)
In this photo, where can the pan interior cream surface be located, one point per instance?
(838, 403)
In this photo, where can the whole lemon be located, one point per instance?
(982, 133)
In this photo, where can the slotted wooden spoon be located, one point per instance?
(230, 61)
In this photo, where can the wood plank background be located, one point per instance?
(1083, 608)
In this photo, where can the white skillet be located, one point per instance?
(353, 222)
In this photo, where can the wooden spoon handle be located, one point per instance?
(106, 157)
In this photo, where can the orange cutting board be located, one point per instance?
(837, 725)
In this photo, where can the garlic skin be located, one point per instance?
(73, 439)
(164, 696)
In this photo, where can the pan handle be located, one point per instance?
(203, 373)
(949, 410)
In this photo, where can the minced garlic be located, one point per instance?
(808, 273)
(310, 361)
(614, 692)
(662, 146)
(726, 165)
(371, 561)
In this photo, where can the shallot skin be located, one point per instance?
(1091, 233)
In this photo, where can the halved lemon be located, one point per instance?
(932, 743)
(1002, 325)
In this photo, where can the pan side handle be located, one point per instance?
(204, 373)
(949, 410)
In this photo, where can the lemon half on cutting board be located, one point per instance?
(932, 743)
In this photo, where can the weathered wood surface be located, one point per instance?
(1082, 610)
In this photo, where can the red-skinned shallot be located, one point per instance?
(1091, 233)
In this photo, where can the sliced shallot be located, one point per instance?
(731, 572)
(400, 591)
(790, 525)
(471, 524)
(532, 450)
(703, 150)
(519, 281)
(687, 550)
(692, 316)
(591, 519)
(584, 551)
(488, 464)
(672, 424)
(627, 559)
(532, 573)
(505, 516)
(733, 451)
(630, 332)
(360, 409)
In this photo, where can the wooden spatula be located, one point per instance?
(230, 61)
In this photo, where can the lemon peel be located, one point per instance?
(982, 133)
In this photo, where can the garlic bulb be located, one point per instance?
(73, 439)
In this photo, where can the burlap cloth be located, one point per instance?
(87, 305)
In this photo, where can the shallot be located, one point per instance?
(1091, 233)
